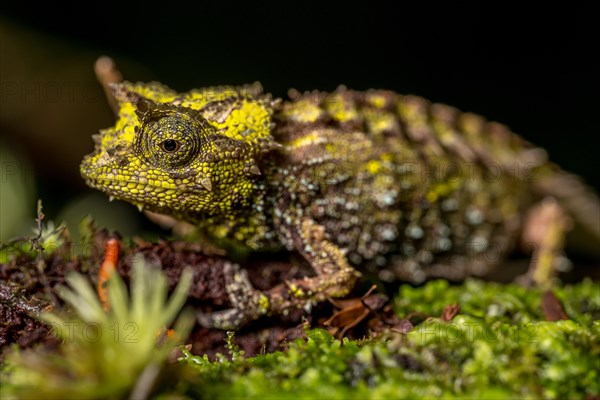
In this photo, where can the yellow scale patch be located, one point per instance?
(154, 91)
(380, 121)
(304, 110)
(247, 123)
(313, 137)
(340, 109)
(374, 166)
(376, 100)
(442, 189)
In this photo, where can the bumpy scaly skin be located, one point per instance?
(388, 184)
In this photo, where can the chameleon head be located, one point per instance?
(188, 154)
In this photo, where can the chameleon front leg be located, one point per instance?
(334, 278)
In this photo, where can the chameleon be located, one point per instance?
(355, 182)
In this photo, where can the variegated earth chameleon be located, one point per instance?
(373, 181)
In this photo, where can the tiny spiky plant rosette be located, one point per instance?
(105, 354)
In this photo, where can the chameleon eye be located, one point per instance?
(170, 145)
(169, 141)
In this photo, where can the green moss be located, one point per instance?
(499, 346)
(489, 301)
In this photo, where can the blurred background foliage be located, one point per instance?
(526, 69)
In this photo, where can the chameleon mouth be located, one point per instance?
(130, 187)
(113, 181)
(134, 192)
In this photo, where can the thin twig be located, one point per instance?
(40, 262)
(35, 240)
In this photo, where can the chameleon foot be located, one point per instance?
(248, 302)
(335, 277)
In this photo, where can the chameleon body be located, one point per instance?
(373, 181)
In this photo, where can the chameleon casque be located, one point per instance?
(373, 181)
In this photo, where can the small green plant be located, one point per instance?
(104, 354)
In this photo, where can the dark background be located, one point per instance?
(530, 69)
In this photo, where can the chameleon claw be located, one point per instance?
(248, 303)
(229, 319)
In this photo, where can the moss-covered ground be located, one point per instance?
(471, 340)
